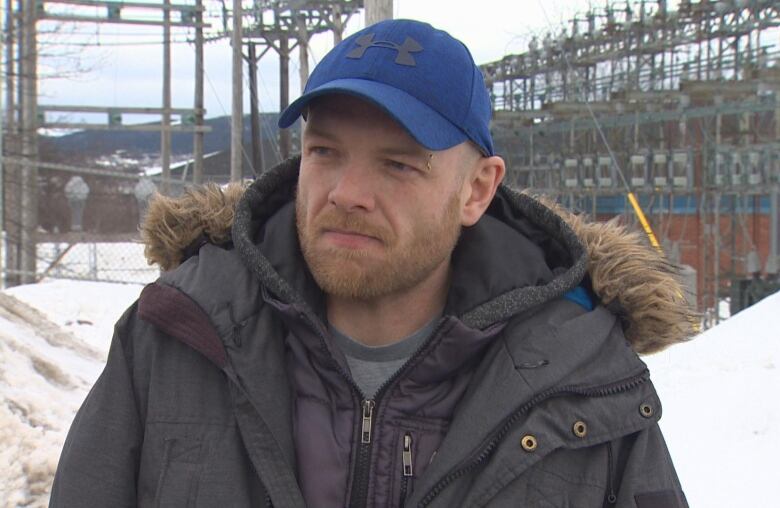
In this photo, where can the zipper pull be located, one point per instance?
(368, 414)
(407, 455)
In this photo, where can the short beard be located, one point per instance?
(354, 274)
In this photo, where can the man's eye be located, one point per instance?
(398, 166)
(320, 150)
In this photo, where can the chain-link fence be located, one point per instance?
(88, 221)
(97, 261)
(92, 189)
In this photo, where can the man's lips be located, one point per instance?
(346, 238)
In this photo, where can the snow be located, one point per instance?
(88, 310)
(54, 337)
(720, 413)
(719, 391)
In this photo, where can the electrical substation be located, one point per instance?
(664, 116)
(677, 108)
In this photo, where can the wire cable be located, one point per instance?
(630, 194)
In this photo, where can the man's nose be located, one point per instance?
(353, 189)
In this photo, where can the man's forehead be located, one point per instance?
(346, 107)
(325, 112)
(341, 101)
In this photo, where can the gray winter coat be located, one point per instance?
(222, 387)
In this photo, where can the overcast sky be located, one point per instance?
(132, 75)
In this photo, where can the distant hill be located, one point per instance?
(135, 153)
(100, 143)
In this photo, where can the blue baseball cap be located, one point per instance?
(422, 77)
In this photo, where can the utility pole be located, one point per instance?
(774, 205)
(165, 135)
(29, 142)
(303, 58)
(12, 218)
(285, 144)
(257, 136)
(337, 24)
(291, 24)
(303, 49)
(236, 123)
(774, 230)
(378, 10)
(2, 193)
(197, 141)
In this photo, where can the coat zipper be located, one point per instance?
(408, 468)
(368, 416)
(365, 423)
(611, 498)
(502, 430)
(359, 495)
(363, 460)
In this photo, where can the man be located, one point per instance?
(384, 326)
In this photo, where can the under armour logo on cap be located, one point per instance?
(404, 50)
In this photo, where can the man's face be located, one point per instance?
(373, 219)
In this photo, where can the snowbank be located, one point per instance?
(86, 309)
(49, 358)
(720, 418)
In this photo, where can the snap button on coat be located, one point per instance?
(528, 442)
(646, 410)
(580, 428)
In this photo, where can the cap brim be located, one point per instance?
(424, 124)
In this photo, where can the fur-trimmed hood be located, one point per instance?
(626, 275)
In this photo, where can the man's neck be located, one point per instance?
(387, 319)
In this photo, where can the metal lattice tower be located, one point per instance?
(681, 107)
(283, 26)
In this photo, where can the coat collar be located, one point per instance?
(633, 280)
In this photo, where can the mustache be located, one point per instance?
(352, 223)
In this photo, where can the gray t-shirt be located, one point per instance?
(371, 366)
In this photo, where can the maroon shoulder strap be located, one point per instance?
(181, 317)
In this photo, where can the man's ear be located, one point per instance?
(479, 188)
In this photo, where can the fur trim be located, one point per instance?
(627, 275)
(635, 281)
(171, 225)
